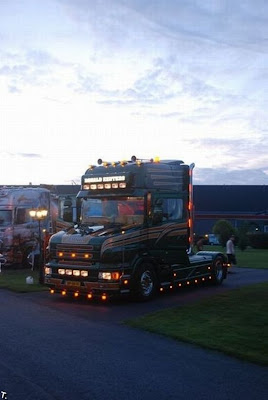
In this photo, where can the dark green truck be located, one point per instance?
(134, 234)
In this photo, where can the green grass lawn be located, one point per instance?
(235, 322)
(15, 279)
(249, 258)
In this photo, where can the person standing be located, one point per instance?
(200, 244)
(230, 251)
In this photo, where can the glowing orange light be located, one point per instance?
(196, 281)
(125, 282)
(115, 275)
(76, 294)
(73, 255)
(104, 296)
(190, 223)
(52, 291)
(188, 283)
(179, 284)
(157, 159)
(60, 254)
(161, 289)
(63, 292)
(86, 255)
(89, 296)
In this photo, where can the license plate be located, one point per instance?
(70, 283)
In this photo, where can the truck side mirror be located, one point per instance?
(157, 216)
(68, 210)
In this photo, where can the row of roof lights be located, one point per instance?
(123, 162)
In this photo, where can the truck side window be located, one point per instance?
(172, 209)
(21, 216)
(167, 210)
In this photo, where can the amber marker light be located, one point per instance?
(161, 289)
(52, 291)
(188, 283)
(60, 254)
(89, 296)
(125, 282)
(104, 296)
(179, 284)
(76, 294)
(73, 255)
(63, 292)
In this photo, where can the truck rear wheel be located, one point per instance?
(218, 270)
(145, 283)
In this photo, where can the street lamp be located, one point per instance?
(39, 215)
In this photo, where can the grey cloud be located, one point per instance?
(13, 89)
(30, 155)
(23, 155)
(16, 70)
(220, 176)
(242, 24)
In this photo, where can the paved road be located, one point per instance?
(51, 348)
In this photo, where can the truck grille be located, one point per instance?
(74, 255)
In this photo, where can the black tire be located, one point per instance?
(144, 285)
(218, 272)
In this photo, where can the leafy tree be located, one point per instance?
(243, 240)
(223, 229)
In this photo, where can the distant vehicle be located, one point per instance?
(213, 239)
(19, 233)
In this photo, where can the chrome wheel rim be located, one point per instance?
(147, 283)
(219, 270)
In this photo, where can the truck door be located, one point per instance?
(169, 228)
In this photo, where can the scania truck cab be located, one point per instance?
(133, 236)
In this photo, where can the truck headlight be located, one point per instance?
(48, 271)
(109, 275)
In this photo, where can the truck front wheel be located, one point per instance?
(144, 283)
(218, 270)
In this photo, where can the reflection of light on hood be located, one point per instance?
(96, 228)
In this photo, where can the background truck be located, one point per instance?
(134, 234)
(18, 231)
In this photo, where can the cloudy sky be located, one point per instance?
(178, 79)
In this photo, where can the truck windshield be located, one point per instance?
(5, 217)
(110, 211)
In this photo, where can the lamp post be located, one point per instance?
(39, 215)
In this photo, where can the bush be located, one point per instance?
(224, 229)
(258, 240)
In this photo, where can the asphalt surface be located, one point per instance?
(55, 348)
